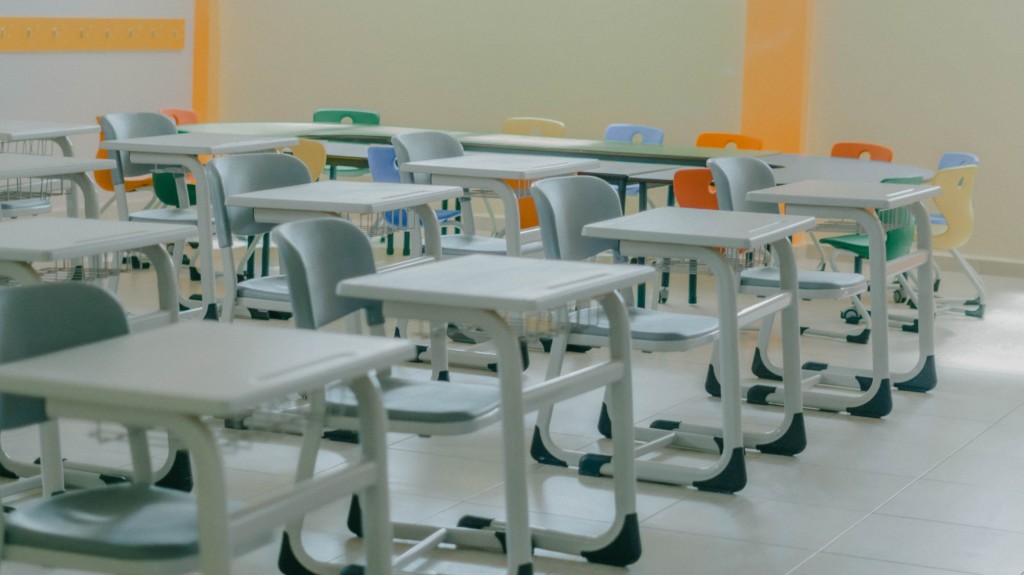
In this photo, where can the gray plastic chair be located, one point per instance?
(104, 529)
(239, 174)
(317, 255)
(419, 146)
(564, 206)
(734, 177)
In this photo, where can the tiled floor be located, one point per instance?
(936, 487)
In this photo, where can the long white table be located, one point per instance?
(489, 172)
(241, 368)
(184, 150)
(696, 234)
(475, 290)
(791, 168)
(859, 201)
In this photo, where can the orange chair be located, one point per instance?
(692, 188)
(723, 140)
(528, 126)
(858, 149)
(106, 181)
(181, 115)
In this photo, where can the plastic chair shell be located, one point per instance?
(857, 150)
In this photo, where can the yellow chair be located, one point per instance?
(725, 140)
(313, 154)
(956, 204)
(529, 126)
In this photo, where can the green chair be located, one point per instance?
(346, 116)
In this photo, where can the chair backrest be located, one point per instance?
(383, 164)
(954, 159)
(43, 318)
(956, 204)
(693, 189)
(899, 224)
(313, 154)
(725, 140)
(316, 255)
(243, 173)
(352, 115)
(858, 150)
(135, 125)
(181, 116)
(634, 133)
(734, 177)
(417, 146)
(564, 206)
(528, 126)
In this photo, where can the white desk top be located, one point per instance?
(196, 144)
(501, 166)
(241, 367)
(32, 166)
(15, 130)
(710, 228)
(789, 168)
(625, 169)
(496, 283)
(845, 194)
(52, 239)
(334, 196)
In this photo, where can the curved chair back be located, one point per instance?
(242, 173)
(316, 255)
(634, 133)
(956, 204)
(858, 150)
(383, 164)
(954, 159)
(313, 154)
(734, 177)
(528, 126)
(43, 318)
(135, 125)
(181, 116)
(416, 146)
(725, 140)
(564, 206)
(341, 116)
(693, 189)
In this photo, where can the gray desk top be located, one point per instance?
(831, 193)
(789, 168)
(196, 144)
(335, 196)
(15, 130)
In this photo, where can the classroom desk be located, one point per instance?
(489, 172)
(243, 367)
(620, 174)
(858, 201)
(475, 290)
(25, 241)
(14, 166)
(184, 150)
(790, 168)
(56, 132)
(696, 234)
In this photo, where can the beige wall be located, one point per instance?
(925, 77)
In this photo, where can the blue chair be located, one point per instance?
(637, 134)
(384, 168)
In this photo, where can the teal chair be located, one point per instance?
(346, 116)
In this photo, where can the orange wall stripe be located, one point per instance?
(776, 72)
(206, 60)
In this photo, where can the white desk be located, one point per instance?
(858, 201)
(472, 290)
(243, 367)
(56, 132)
(488, 172)
(790, 168)
(14, 166)
(184, 150)
(695, 234)
(25, 241)
(338, 198)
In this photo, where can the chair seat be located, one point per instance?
(123, 521)
(812, 284)
(167, 215)
(855, 243)
(417, 400)
(25, 207)
(466, 244)
(648, 325)
(272, 288)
